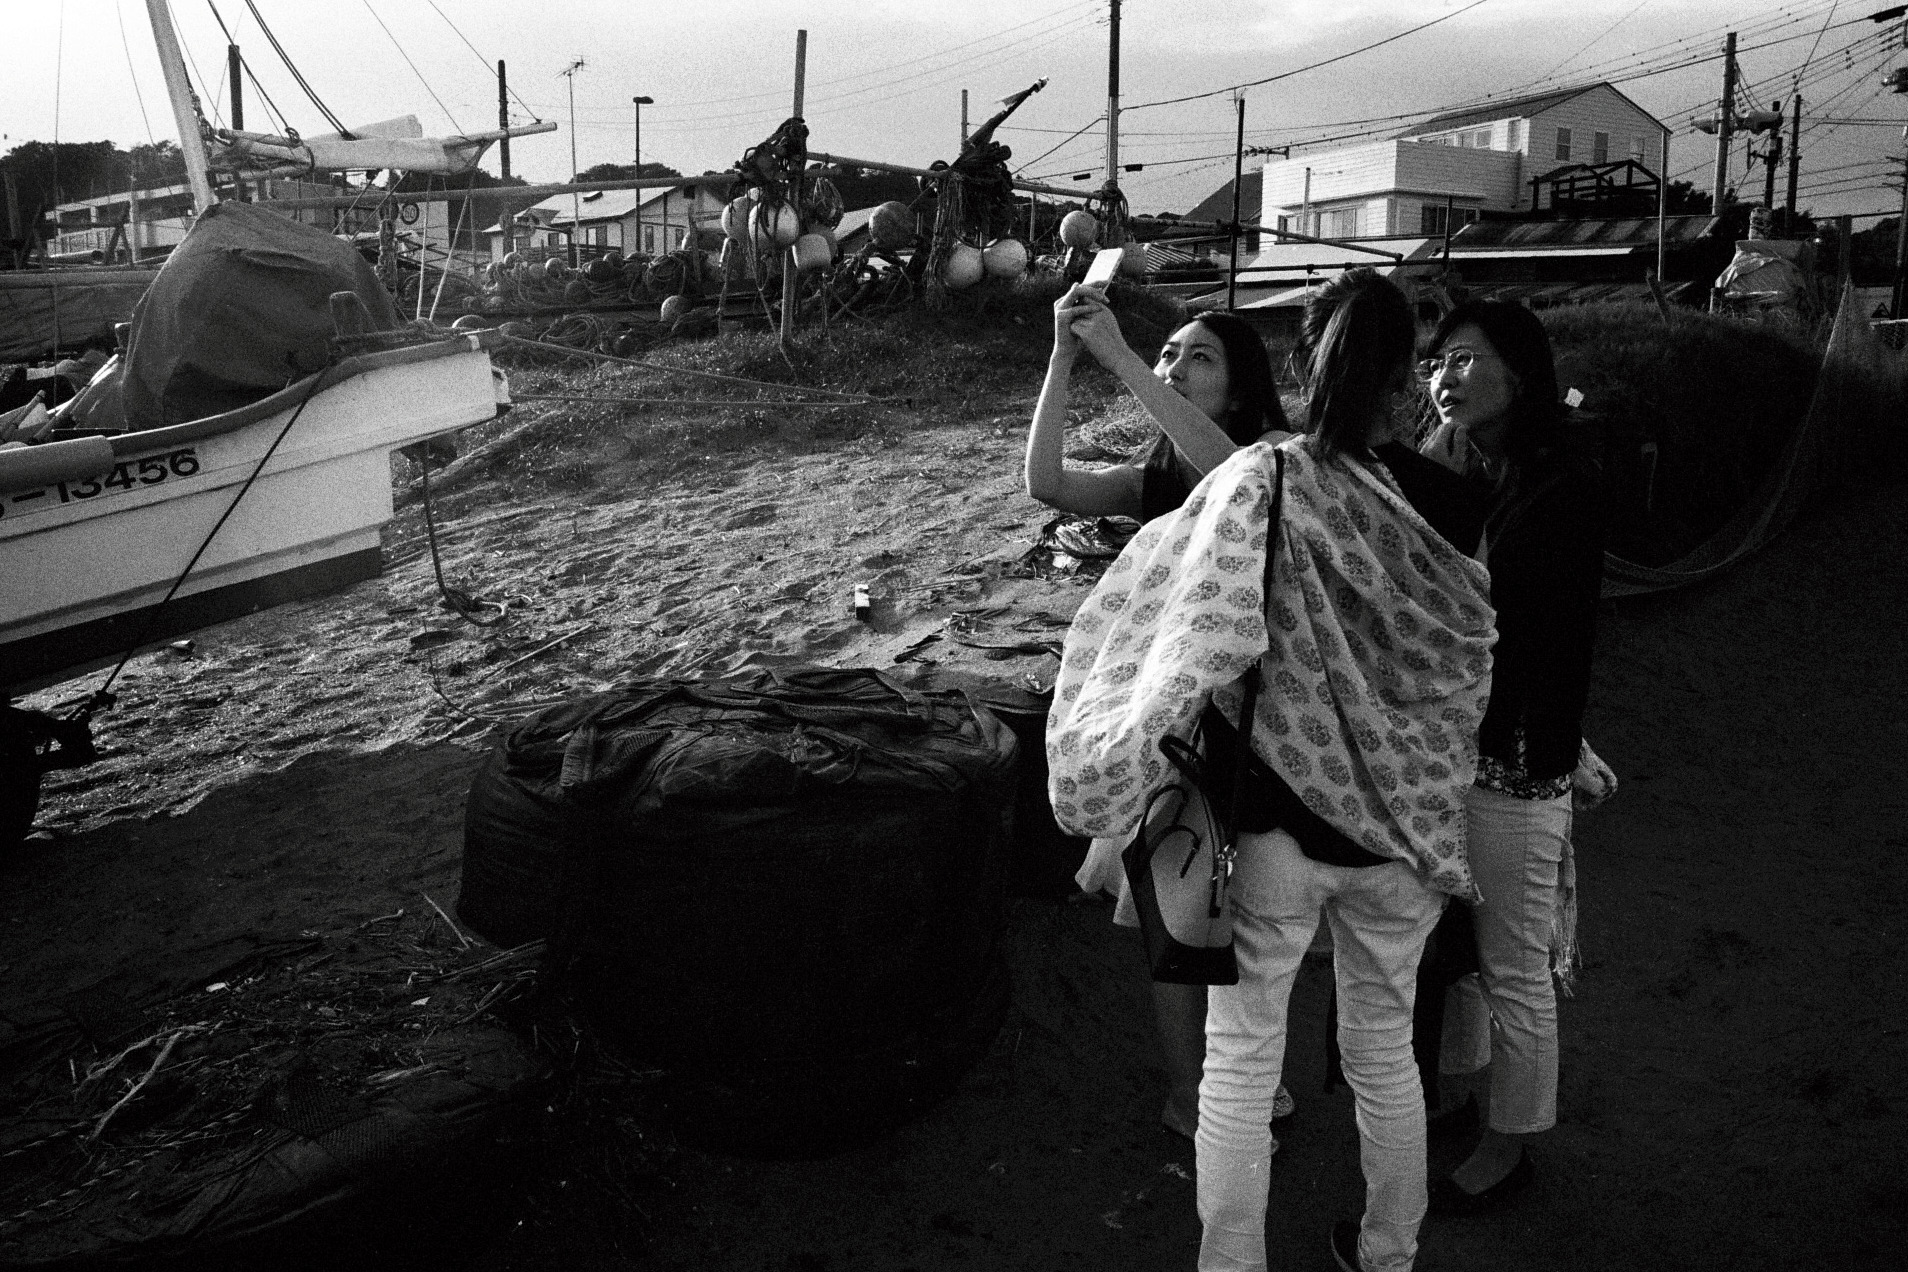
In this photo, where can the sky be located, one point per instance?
(884, 77)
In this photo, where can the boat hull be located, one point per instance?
(87, 560)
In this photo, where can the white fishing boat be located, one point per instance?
(94, 531)
(112, 541)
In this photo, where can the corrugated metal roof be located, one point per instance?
(1582, 232)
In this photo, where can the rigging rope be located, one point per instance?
(413, 65)
(100, 697)
(286, 59)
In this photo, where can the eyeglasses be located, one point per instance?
(1456, 360)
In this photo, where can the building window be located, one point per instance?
(1515, 129)
(601, 236)
(1481, 139)
(1563, 143)
(1339, 223)
(1285, 223)
(1600, 147)
(1431, 219)
(649, 239)
(1636, 149)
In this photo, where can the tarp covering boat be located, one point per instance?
(241, 309)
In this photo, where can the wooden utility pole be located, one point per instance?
(1238, 178)
(1901, 238)
(1113, 102)
(1725, 119)
(1795, 165)
(789, 275)
(232, 68)
(1771, 155)
(503, 122)
(963, 119)
(1662, 203)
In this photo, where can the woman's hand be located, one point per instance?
(1077, 303)
(1098, 332)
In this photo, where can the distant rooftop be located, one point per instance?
(1510, 108)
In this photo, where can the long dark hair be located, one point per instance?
(1358, 335)
(1249, 378)
(1534, 428)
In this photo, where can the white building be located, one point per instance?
(1469, 162)
(628, 221)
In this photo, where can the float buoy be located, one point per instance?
(964, 266)
(780, 225)
(891, 225)
(674, 307)
(1005, 258)
(811, 253)
(735, 219)
(1079, 229)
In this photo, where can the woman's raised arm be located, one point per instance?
(1203, 443)
(1104, 492)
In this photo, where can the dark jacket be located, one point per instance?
(1546, 538)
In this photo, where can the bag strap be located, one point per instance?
(1252, 678)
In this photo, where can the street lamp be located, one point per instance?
(639, 103)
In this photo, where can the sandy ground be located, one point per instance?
(1732, 1061)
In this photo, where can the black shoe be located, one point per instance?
(1447, 1198)
(1451, 1123)
(1345, 1245)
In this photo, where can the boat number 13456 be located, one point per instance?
(127, 475)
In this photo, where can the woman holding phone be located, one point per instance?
(1211, 391)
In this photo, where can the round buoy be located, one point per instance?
(891, 224)
(521, 330)
(674, 307)
(1133, 263)
(811, 252)
(1079, 229)
(470, 322)
(512, 259)
(735, 219)
(780, 226)
(553, 269)
(964, 266)
(1005, 258)
(613, 259)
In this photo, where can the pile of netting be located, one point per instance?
(517, 284)
(261, 1098)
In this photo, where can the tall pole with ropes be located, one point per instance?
(1116, 231)
(185, 111)
(1238, 178)
(1725, 121)
(576, 200)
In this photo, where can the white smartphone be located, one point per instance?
(1105, 266)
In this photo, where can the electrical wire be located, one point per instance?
(1031, 162)
(1598, 39)
(481, 58)
(1283, 75)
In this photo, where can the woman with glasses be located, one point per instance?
(1211, 391)
(1373, 635)
(1493, 381)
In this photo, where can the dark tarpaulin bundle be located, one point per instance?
(782, 890)
(241, 309)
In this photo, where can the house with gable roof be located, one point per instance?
(1458, 165)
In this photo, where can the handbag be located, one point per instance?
(1179, 863)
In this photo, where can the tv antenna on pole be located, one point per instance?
(576, 199)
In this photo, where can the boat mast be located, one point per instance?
(185, 111)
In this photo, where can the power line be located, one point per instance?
(271, 107)
(1272, 79)
(134, 76)
(481, 58)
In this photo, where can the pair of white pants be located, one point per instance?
(1379, 918)
(1506, 1016)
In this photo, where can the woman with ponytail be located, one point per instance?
(1372, 632)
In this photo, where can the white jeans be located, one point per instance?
(1379, 918)
(1506, 1017)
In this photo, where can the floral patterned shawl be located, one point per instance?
(1376, 658)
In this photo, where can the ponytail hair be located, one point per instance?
(1359, 334)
